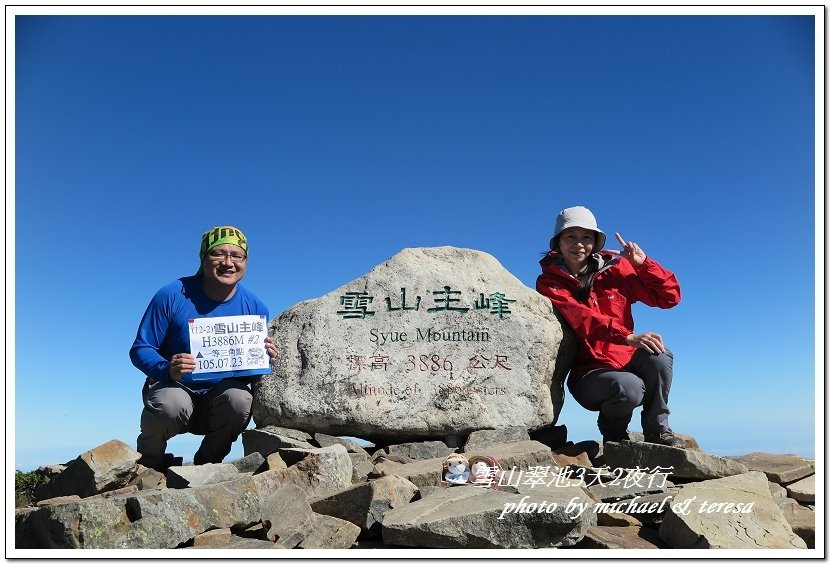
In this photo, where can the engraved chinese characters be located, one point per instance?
(433, 342)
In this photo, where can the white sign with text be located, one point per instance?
(230, 343)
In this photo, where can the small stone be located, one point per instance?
(777, 490)
(268, 440)
(275, 461)
(214, 538)
(420, 472)
(325, 440)
(190, 476)
(420, 450)
(58, 500)
(361, 466)
(249, 464)
(610, 537)
(479, 440)
(148, 479)
(580, 459)
(617, 519)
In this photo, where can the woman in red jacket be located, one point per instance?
(616, 369)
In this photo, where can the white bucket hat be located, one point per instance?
(578, 216)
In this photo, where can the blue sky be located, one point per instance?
(335, 142)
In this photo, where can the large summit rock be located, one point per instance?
(433, 342)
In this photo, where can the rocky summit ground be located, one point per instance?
(528, 490)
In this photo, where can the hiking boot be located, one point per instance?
(611, 430)
(160, 463)
(616, 437)
(666, 438)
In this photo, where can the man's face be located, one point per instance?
(224, 264)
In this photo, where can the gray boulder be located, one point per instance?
(286, 514)
(800, 518)
(275, 462)
(271, 438)
(434, 342)
(684, 463)
(779, 468)
(236, 543)
(473, 517)
(479, 440)
(421, 450)
(361, 466)
(25, 535)
(323, 472)
(422, 473)
(733, 512)
(109, 466)
(189, 476)
(624, 538)
(148, 479)
(365, 504)
(215, 538)
(330, 532)
(776, 490)
(325, 440)
(803, 490)
(151, 519)
(519, 455)
(253, 462)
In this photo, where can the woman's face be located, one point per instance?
(575, 245)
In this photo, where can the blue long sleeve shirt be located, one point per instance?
(164, 329)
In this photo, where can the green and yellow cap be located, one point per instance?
(224, 234)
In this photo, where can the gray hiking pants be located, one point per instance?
(645, 380)
(219, 414)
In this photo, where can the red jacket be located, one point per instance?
(603, 324)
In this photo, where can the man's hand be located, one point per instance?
(652, 342)
(631, 251)
(181, 364)
(271, 348)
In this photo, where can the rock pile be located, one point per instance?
(295, 490)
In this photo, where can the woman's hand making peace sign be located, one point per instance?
(631, 251)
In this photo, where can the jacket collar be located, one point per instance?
(604, 261)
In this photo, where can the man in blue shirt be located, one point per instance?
(218, 404)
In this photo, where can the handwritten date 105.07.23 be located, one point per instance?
(219, 363)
